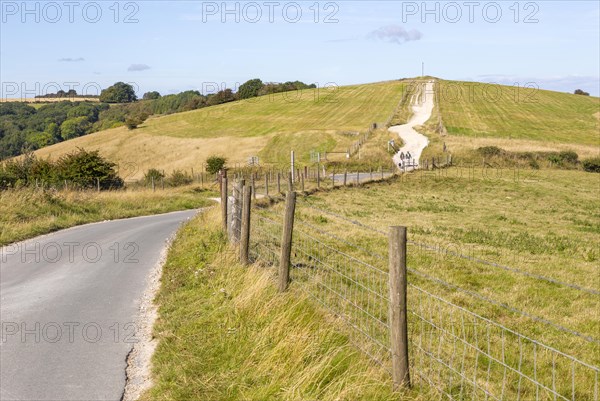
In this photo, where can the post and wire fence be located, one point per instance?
(391, 313)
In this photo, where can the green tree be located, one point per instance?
(151, 95)
(53, 130)
(580, 92)
(120, 92)
(85, 110)
(74, 127)
(220, 97)
(40, 139)
(250, 88)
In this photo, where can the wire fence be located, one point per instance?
(460, 353)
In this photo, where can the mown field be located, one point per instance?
(479, 110)
(268, 127)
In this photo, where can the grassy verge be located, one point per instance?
(226, 334)
(27, 213)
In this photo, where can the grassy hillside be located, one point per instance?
(268, 126)
(492, 111)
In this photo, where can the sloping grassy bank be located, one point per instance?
(226, 334)
(27, 213)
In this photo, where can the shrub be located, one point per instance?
(591, 165)
(179, 178)
(133, 121)
(215, 163)
(569, 156)
(566, 157)
(489, 151)
(84, 169)
(153, 174)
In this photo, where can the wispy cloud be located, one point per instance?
(138, 67)
(395, 34)
(71, 60)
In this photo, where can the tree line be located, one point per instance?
(24, 128)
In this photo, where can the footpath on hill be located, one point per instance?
(414, 143)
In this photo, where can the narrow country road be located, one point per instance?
(68, 307)
(415, 143)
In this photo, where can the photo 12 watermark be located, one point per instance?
(476, 92)
(40, 91)
(270, 11)
(453, 12)
(67, 332)
(69, 252)
(54, 12)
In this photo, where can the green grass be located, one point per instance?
(226, 334)
(267, 126)
(483, 110)
(347, 108)
(544, 222)
(27, 213)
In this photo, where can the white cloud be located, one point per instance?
(138, 67)
(395, 34)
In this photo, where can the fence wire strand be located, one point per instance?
(457, 352)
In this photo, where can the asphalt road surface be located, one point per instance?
(68, 306)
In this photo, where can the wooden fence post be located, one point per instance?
(224, 200)
(345, 176)
(236, 215)
(286, 241)
(153, 186)
(245, 229)
(318, 176)
(290, 182)
(267, 185)
(302, 180)
(397, 308)
(97, 184)
(253, 186)
(278, 182)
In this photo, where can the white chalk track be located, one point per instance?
(414, 143)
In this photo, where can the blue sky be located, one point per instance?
(178, 45)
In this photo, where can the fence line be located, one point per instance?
(441, 250)
(505, 306)
(461, 354)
